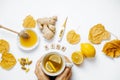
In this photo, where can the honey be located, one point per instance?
(30, 41)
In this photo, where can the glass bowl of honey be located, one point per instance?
(30, 43)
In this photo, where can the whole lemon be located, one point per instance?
(88, 50)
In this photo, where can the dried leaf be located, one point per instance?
(8, 61)
(98, 33)
(112, 48)
(4, 46)
(73, 37)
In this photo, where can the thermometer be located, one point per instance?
(61, 33)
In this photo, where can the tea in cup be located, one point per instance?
(54, 63)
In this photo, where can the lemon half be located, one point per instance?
(77, 57)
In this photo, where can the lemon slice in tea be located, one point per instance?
(50, 67)
(55, 58)
(77, 57)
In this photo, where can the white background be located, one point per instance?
(82, 15)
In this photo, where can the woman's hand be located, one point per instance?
(39, 73)
(66, 74)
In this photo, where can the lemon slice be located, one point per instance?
(55, 58)
(50, 67)
(77, 57)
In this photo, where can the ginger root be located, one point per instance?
(47, 26)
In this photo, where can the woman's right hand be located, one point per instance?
(66, 74)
